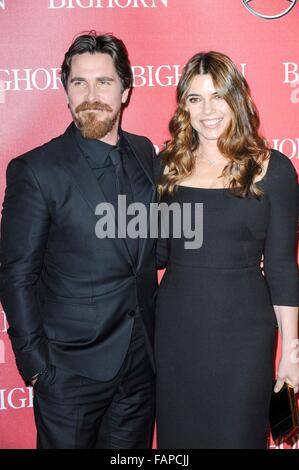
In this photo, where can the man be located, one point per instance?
(80, 306)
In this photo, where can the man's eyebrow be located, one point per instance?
(109, 79)
(82, 79)
(77, 79)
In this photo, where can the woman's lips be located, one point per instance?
(211, 123)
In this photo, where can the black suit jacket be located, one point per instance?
(70, 297)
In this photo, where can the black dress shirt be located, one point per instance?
(96, 153)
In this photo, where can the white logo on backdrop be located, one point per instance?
(29, 79)
(3, 329)
(291, 77)
(107, 3)
(287, 146)
(2, 352)
(260, 12)
(16, 398)
(3, 322)
(44, 79)
(165, 75)
(150, 76)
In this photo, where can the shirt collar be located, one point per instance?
(95, 149)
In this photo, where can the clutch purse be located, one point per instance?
(284, 416)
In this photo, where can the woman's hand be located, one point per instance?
(288, 370)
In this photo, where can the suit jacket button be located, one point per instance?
(131, 313)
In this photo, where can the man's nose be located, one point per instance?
(91, 93)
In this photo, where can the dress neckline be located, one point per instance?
(227, 189)
(202, 189)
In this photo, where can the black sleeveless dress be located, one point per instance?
(215, 323)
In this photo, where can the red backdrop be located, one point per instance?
(161, 35)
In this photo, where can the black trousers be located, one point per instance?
(74, 412)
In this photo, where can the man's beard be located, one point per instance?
(90, 126)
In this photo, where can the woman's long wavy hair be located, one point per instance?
(241, 143)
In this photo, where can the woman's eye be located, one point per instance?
(194, 100)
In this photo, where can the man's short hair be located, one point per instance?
(106, 44)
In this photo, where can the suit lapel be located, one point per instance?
(77, 166)
(143, 241)
(146, 162)
(141, 153)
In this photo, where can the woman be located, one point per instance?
(216, 310)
